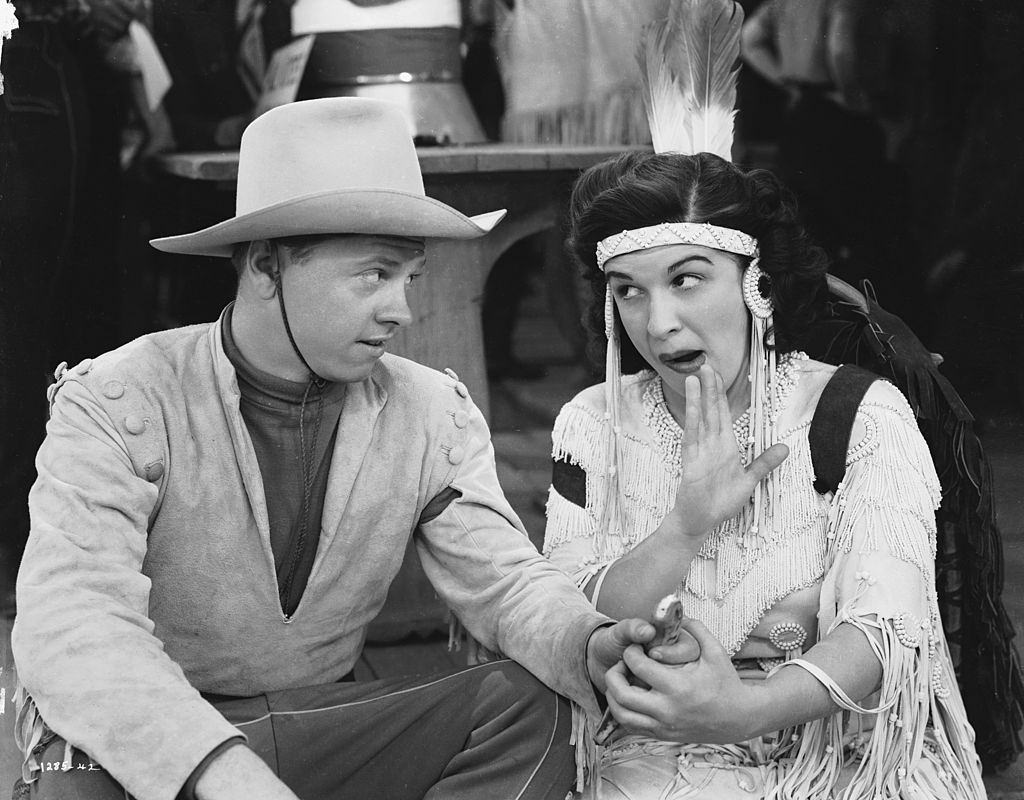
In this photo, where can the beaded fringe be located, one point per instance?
(648, 488)
(894, 494)
(914, 699)
(885, 495)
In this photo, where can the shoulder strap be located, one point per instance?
(832, 424)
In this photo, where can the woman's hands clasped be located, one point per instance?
(714, 485)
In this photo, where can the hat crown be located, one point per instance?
(325, 145)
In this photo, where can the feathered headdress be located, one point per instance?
(689, 63)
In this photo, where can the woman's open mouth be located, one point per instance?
(686, 362)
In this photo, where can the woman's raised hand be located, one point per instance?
(714, 485)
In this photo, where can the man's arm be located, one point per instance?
(83, 643)
(482, 563)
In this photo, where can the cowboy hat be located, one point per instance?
(333, 165)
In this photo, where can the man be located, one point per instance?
(221, 508)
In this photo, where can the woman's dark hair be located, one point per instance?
(636, 190)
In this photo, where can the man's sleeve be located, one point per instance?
(480, 560)
(83, 643)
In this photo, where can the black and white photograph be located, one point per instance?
(511, 399)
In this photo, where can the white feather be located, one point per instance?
(689, 64)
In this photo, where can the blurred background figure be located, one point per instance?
(975, 277)
(850, 70)
(568, 77)
(65, 105)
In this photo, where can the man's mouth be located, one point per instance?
(684, 361)
(378, 342)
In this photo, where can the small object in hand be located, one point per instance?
(667, 621)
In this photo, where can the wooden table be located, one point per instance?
(533, 183)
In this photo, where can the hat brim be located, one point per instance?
(369, 211)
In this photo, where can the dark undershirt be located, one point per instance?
(271, 408)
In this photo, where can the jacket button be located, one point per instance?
(113, 390)
(461, 419)
(84, 367)
(456, 454)
(134, 424)
(461, 389)
(154, 471)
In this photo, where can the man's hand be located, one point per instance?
(702, 701)
(239, 774)
(606, 646)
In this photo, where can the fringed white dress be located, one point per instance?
(864, 556)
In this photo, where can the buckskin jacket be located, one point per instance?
(149, 577)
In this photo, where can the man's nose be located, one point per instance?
(395, 310)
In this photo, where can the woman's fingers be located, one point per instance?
(766, 462)
(629, 702)
(709, 399)
(631, 720)
(692, 414)
(724, 412)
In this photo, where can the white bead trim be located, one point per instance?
(700, 233)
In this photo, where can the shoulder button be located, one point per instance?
(451, 373)
(60, 370)
(154, 471)
(83, 367)
(135, 424)
(461, 390)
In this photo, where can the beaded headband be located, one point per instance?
(701, 233)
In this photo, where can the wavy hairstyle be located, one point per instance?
(635, 190)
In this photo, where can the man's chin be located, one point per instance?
(352, 373)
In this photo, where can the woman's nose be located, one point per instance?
(663, 315)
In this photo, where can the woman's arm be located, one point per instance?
(705, 700)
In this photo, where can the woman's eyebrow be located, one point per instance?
(688, 259)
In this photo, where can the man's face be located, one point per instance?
(346, 297)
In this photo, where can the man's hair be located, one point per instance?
(298, 248)
(635, 190)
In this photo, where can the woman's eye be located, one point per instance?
(625, 292)
(686, 281)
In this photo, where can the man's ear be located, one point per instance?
(260, 267)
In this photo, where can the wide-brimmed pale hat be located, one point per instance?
(334, 165)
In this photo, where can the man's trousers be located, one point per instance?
(491, 731)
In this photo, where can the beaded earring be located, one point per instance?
(610, 521)
(757, 297)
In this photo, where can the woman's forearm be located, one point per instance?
(654, 568)
(793, 696)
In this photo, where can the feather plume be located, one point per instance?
(689, 64)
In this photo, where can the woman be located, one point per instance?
(819, 668)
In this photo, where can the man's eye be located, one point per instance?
(414, 277)
(373, 275)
